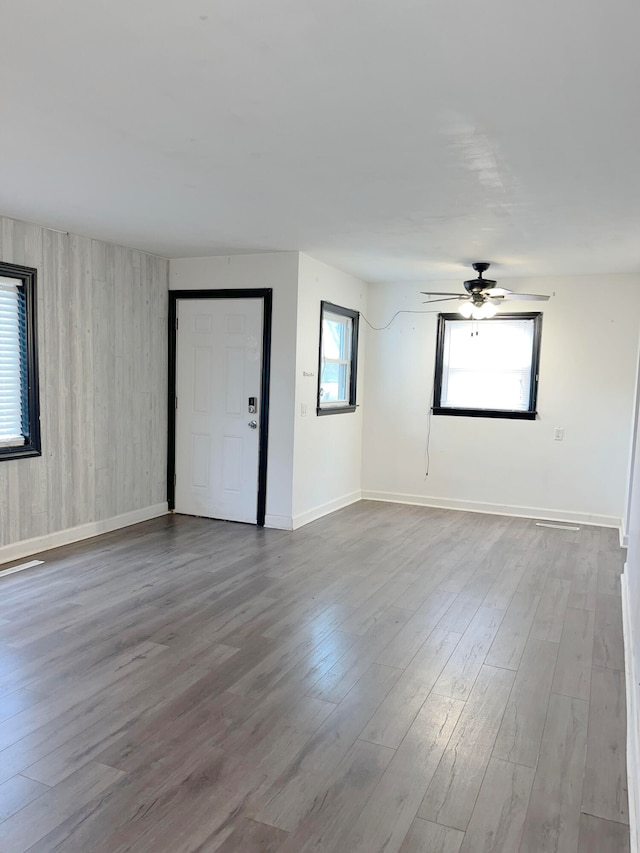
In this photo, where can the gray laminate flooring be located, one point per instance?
(389, 678)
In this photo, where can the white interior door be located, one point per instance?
(218, 370)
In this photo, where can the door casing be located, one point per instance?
(266, 294)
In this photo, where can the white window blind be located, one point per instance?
(487, 365)
(13, 362)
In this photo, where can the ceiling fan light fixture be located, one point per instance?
(488, 310)
(472, 311)
(466, 309)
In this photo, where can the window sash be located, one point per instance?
(337, 359)
(488, 365)
(14, 383)
(337, 334)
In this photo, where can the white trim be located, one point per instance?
(21, 567)
(75, 534)
(278, 522)
(494, 509)
(324, 509)
(633, 449)
(624, 536)
(633, 720)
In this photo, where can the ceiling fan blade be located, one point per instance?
(526, 297)
(441, 293)
(497, 291)
(448, 299)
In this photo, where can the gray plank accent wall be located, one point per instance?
(102, 347)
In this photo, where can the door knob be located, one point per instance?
(253, 424)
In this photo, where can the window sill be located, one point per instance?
(335, 410)
(485, 413)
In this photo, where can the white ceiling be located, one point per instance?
(394, 139)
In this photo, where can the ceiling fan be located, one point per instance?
(483, 296)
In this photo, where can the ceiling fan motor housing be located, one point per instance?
(475, 286)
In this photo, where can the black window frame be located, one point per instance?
(529, 414)
(32, 442)
(354, 316)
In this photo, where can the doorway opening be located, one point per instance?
(254, 417)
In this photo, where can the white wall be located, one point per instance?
(102, 349)
(328, 449)
(587, 382)
(278, 271)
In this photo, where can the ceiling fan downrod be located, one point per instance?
(480, 267)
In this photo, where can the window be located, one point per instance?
(338, 359)
(19, 409)
(487, 368)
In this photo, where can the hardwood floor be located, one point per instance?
(388, 679)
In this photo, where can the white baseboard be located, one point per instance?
(324, 509)
(494, 509)
(624, 538)
(633, 718)
(278, 522)
(28, 547)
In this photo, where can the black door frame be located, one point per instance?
(266, 294)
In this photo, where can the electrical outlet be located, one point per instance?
(558, 434)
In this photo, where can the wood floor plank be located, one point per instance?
(511, 637)
(498, 817)
(407, 642)
(338, 681)
(250, 837)
(553, 817)
(336, 808)
(458, 677)
(459, 615)
(491, 568)
(18, 792)
(426, 836)
(309, 613)
(605, 790)
(272, 749)
(286, 654)
(451, 796)
(608, 644)
(602, 836)
(391, 809)
(20, 700)
(522, 725)
(505, 585)
(372, 609)
(102, 740)
(394, 717)
(26, 827)
(160, 800)
(583, 573)
(60, 722)
(550, 614)
(573, 667)
(293, 794)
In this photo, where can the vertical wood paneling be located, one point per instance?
(11, 252)
(34, 491)
(102, 364)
